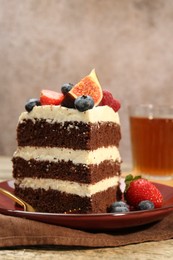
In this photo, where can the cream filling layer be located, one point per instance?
(76, 156)
(83, 190)
(61, 114)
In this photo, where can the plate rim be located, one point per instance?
(162, 212)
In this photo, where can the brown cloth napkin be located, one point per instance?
(16, 231)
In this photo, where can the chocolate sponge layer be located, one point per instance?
(76, 135)
(65, 170)
(60, 202)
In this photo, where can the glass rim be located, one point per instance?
(151, 110)
(150, 105)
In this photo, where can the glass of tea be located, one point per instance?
(151, 129)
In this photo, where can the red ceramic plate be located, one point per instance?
(105, 221)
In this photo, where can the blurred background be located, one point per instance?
(45, 43)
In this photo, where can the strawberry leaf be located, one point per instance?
(137, 177)
(129, 178)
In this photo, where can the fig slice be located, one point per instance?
(88, 86)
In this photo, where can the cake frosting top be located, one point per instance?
(52, 114)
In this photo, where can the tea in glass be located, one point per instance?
(151, 130)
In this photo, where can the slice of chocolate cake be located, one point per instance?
(67, 160)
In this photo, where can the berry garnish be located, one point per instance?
(66, 88)
(139, 189)
(145, 205)
(110, 101)
(115, 105)
(49, 97)
(84, 103)
(32, 103)
(107, 98)
(119, 206)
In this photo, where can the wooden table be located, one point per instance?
(151, 250)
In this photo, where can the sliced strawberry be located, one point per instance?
(110, 101)
(139, 189)
(49, 97)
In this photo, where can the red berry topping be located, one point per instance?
(110, 101)
(139, 189)
(107, 98)
(49, 97)
(115, 105)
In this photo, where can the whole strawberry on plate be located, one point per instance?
(139, 189)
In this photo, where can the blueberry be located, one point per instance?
(146, 205)
(32, 103)
(84, 103)
(66, 88)
(119, 209)
(119, 206)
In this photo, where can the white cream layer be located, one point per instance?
(76, 156)
(83, 190)
(61, 114)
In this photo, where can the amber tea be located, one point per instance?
(152, 145)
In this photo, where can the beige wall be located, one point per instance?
(44, 43)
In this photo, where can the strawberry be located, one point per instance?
(49, 97)
(139, 189)
(110, 101)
